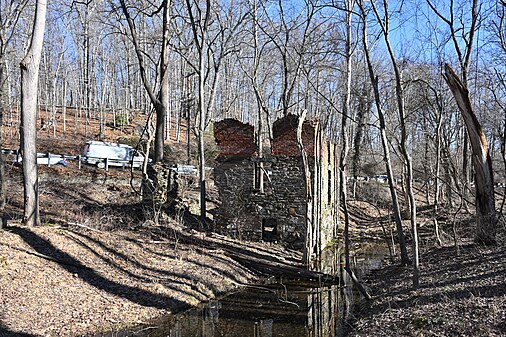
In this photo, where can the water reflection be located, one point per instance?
(272, 311)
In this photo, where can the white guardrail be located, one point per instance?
(51, 159)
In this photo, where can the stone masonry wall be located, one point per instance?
(236, 216)
(244, 210)
(289, 204)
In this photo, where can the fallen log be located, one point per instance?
(266, 265)
(282, 271)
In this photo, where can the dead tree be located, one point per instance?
(486, 217)
(463, 48)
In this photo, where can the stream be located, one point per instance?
(273, 310)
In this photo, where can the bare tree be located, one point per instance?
(384, 141)
(399, 95)
(290, 32)
(433, 99)
(200, 29)
(463, 42)
(496, 83)
(160, 100)
(212, 44)
(462, 38)
(349, 4)
(254, 76)
(29, 84)
(85, 16)
(10, 14)
(486, 218)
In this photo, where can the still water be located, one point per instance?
(271, 311)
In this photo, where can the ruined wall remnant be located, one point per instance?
(287, 212)
(235, 216)
(234, 177)
(155, 188)
(235, 139)
(166, 187)
(284, 132)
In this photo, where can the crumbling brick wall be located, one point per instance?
(247, 214)
(284, 132)
(234, 139)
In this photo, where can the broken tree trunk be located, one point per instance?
(486, 218)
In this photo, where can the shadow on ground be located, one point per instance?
(5, 332)
(462, 293)
(90, 276)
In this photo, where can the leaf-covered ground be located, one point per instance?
(69, 281)
(96, 265)
(462, 293)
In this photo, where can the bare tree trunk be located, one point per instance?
(437, 185)
(260, 104)
(344, 152)
(503, 155)
(188, 122)
(161, 114)
(29, 84)
(158, 103)
(459, 27)
(202, 121)
(87, 65)
(364, 107)
(309, 250)
(3, 101)
(384, 142)
(404, 150)
(201, 41)
(437, 188)
(486, 218)
(465, 171)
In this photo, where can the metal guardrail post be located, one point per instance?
(107, 164)
(79, 162)
(48, 159)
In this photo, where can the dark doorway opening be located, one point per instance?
(270, 229)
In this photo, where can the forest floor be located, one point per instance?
(94, 265)
(462, 292)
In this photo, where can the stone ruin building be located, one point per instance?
(298, 211)
(298, 206)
